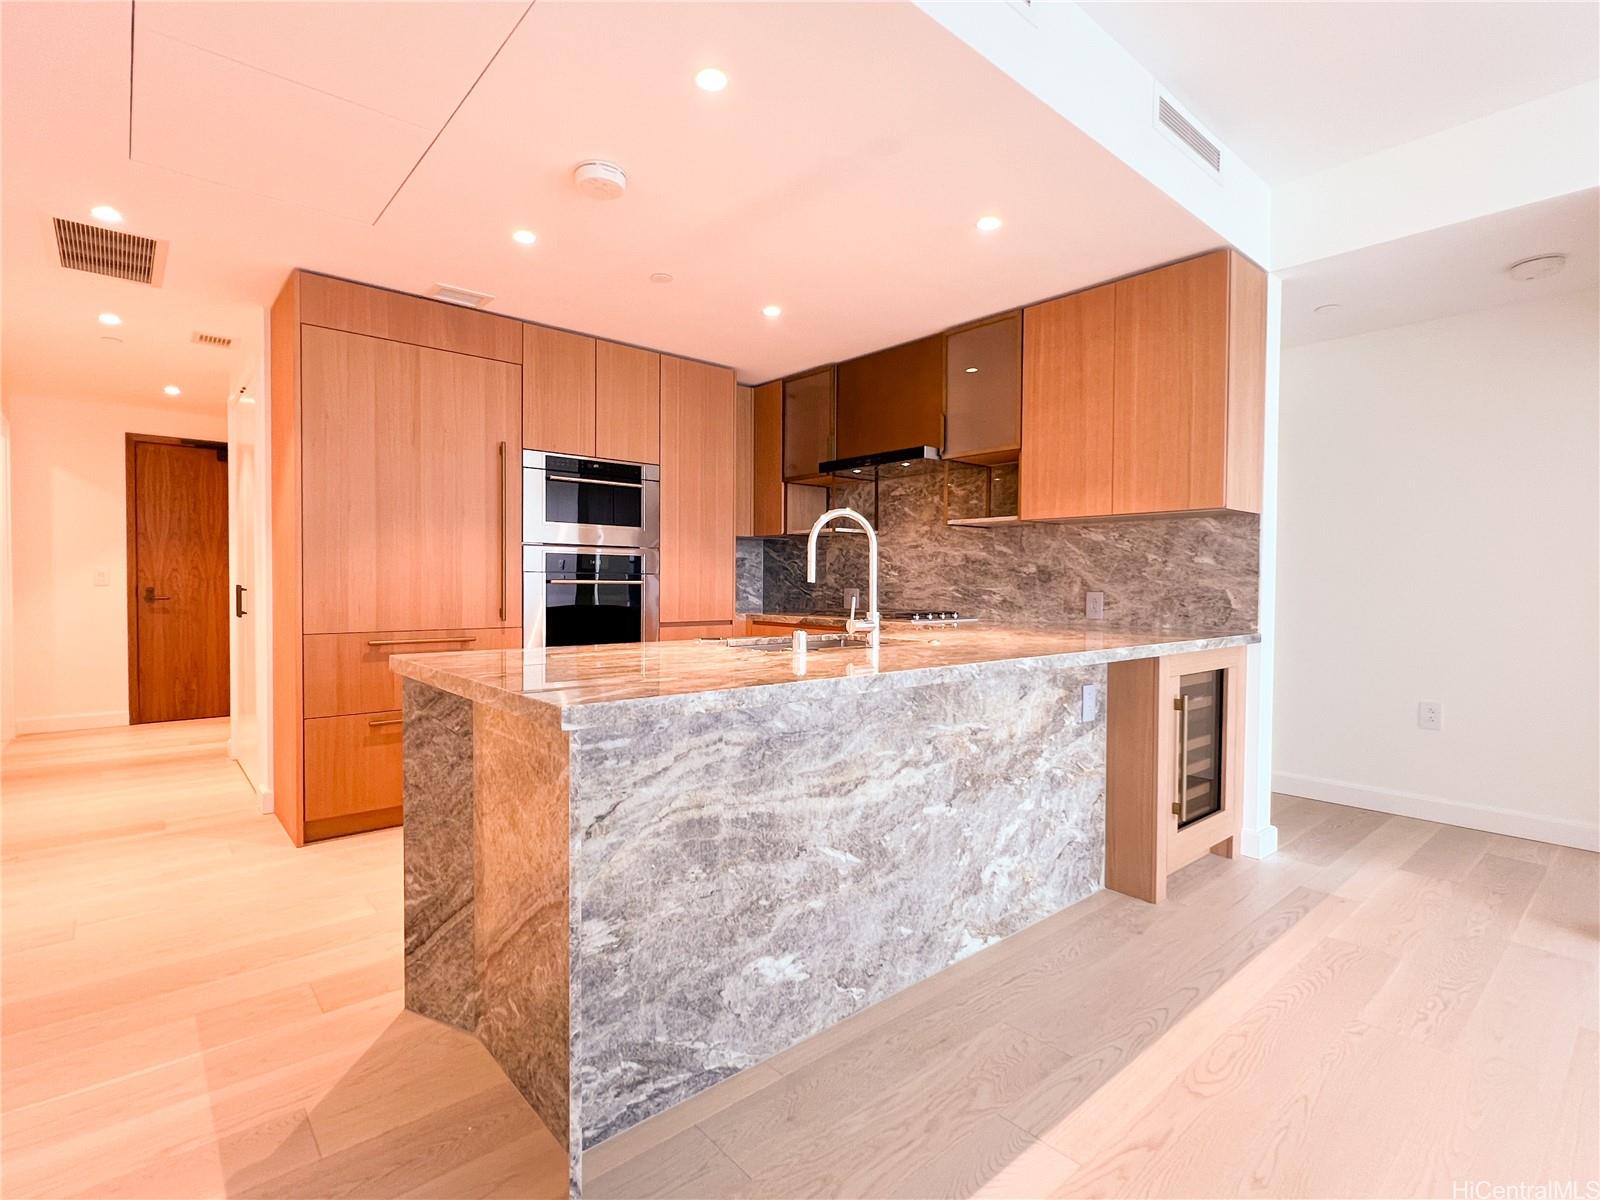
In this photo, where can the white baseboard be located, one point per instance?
(1259, 843)
(265, 795)
(1505, 821)
(64, 722)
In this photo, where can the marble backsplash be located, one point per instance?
(1199, 571)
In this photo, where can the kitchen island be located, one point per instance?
(635, 870)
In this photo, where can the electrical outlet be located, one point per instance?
(1094, 606)
(1089, 706)
(1430, 714)
(102, 577)
(852, 596)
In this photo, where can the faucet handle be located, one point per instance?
(855, 597)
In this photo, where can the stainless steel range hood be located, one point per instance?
(885, 464)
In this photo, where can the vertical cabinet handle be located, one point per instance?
(502, 529)
(1180, 758)
(238, 600)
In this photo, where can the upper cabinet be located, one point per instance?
(892, 400)
(557, 391)
(588, 397)
(627, 403)
(699, 450)
(983, 390)
(1146, 395)
(807, 424)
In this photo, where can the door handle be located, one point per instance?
(1180, 806)
(238, 600)
(150, 596)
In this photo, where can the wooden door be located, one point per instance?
(178, 580)
(411, 486)
(698, 451)
(627, 403)
(1171, 406)
(892, 400)
(767, 468)
(558, 377)
(1068, 352)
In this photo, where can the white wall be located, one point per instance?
(1440, 540)
(68, 503)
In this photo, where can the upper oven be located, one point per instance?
(589, 502)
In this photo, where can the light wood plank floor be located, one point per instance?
(190, 1007)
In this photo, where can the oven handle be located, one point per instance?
(599, 582)
(602, 482)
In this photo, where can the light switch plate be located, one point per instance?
(1430, 714)
(1089, 706)
(1094, 606)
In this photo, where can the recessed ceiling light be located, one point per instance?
(247, 399)
(972, 370)
(104, 212)
(771, 310)
(525, 237)
(173, 389)
(660, 277)
(1327, 308)
(1540, 266)
(988, 224)
(110, 319)
(710, 79)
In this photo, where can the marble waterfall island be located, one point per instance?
(635, 870)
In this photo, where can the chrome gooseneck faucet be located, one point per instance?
(870, 624)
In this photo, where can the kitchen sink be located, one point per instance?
(814, 641)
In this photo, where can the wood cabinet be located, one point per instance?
(395, 494)
(411, 486)
(1165, 757)
(893, 399)
(806, 425)
(591, 398)
(1068, 355)
(770, 507)
(1152, 387)
(558, 377)
(983, 391)
(698, 462)
(627, 403)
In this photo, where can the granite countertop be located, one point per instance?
(580, 680)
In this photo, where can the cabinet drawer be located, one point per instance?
(349, 672)
(353, 771)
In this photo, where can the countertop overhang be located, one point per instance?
(583, 681)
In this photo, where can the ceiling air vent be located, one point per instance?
(211, 339)
(459, 295)
(1179, 127)
(103, 251)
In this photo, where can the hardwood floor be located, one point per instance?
(191, 1007)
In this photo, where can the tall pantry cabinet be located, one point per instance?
(396, 492)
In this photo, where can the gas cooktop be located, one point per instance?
(920, 616)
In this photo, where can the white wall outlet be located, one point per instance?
(1094, 606)
(102, 577)
(1089, 706)
(1430, 714)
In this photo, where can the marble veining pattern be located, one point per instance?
(749, 561)
(752, 875)
(1201, 571)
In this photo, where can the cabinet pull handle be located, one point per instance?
(238, 600)
(502, 526)
(377, 721)
(1180, 805)
(150, 596)
(596, 482)
(423, 641)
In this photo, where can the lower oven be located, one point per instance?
(589, 596)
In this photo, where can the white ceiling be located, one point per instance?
(1456, 269)
(1296, 88)
(838, 176)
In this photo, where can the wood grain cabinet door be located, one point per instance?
(698, 454)
(767, 490)
(411, 486)
(893, 399)
(1068, 351)
(627, 403)
(558, 379)
(1171, 407)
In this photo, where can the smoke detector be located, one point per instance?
(601, 179)
(1540, 266)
